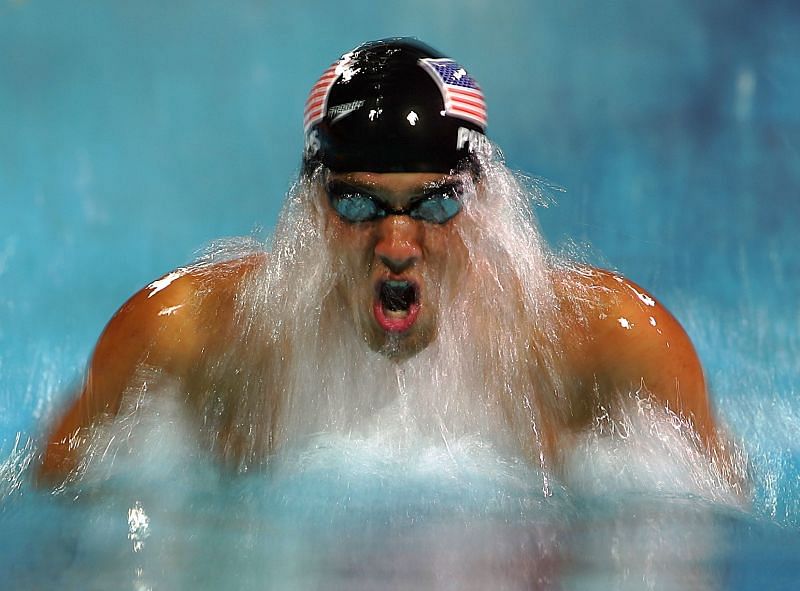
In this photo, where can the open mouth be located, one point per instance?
(396, 305)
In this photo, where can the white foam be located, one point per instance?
(643, 447)
(301, 374)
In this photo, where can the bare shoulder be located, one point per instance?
(619, 337)
(169, 326)
(187, 284)
(606, 307)
(170, 317)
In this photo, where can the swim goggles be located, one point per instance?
(353, 205)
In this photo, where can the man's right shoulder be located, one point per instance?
(196, 282)
(177, 312)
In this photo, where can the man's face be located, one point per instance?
(396, 236)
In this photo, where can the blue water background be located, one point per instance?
(132, 134)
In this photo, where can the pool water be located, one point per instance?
(669, 139)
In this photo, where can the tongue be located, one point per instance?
(397, 296)
(396, 309)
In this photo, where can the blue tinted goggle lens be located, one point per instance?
(354, 207)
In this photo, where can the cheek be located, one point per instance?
(351, 248)
(446, 253)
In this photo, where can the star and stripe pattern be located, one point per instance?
(318, 97)
(462, 95)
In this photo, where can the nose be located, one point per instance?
(398, 245)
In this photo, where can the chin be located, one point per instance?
(399, 346)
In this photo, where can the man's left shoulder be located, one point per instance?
(605, 304)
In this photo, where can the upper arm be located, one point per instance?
(155, 328)
(632, 342)
(172, 327)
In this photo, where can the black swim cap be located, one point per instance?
(394, 105)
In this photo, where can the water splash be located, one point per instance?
(395, 462)
(138, 526)
(296, 364)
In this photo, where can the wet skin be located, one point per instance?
(394, 248)
(615, 337)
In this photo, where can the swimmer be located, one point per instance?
(406, 264)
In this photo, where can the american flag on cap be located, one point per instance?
(318, 97)
(462, 95)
